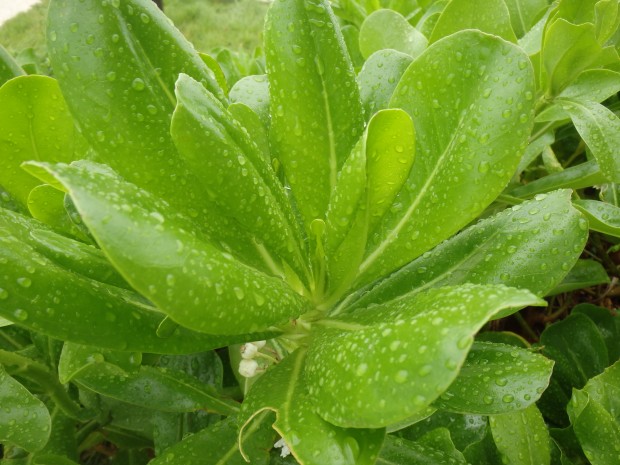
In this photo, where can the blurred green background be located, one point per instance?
(207, 24)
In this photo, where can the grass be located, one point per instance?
(207, 24)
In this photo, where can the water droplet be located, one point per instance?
(74, 27)
(487, 400)
(170, 280)
(501, 381)
(145, 18)
(239, 293)
(425, 370)
(20, 314)
(483, 167)
(401, 376)
(111, 76)
(110, 317)
(362, 368)
(508, 398)
(511, 249)
(4, 294)
(24, 282)
(138, 84)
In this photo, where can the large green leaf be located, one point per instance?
(187, 277)
(254, 92)
(608, 323)
(388, 29)
(600, 129)
(398, 451)
(602, 217)
(522, 437)
(316, 112)
(218, 445)
(594, 413)
(36, 126)
(24, 419)
(234, 171)
(418, 344)
(524, 14)
(497, 378)
(531, 246)
(379, 77)
(491, 16)
(464, 158)
(311, 440)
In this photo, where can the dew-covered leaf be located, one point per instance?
(379, 77)
(398, 451)
(254, 92)
(594, 413)
(388, 29)
(194, 282)
(522, 437)
(218, 445)
(585, 273)
(419, 344)
(602, 217)
(24, 419)
(36, 125)
(9, 68)
(75, 358)
(40, 294)
(316, 112)
(484, 95)
(599, 127)
(608, 323)
(497, 378)
(253, 124)
(490, 16)
(531, 246)
(234, 171)
(311, 440)
(154, 388)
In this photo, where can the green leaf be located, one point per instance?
(46, 204)
(497, 379)
(534, 149)
(188, 278)
(607, 19)
(311, 440)
(9, 68)
(530, 246)
(24, 420)
(607, 323)
(235, 173)
(602, 217)
(316, 112)
(575, 177)
(36, 126)
(154, 388)
(252, 123)
(490, 16)
(594, 415)
(379, 77)
(568, 49)
(75, 358)
(459, 167)
(420, 342)
(388, 29)
(524, 14)
(483, 452)
(254, 92)
(578, 349)
(41, 295)
(398, 451)
(218, 445)
(599, 127)
(121, 90)
(585, 273)
(464, 429)
(522, 437)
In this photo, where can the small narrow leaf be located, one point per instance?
(585, 273)
(24, 419)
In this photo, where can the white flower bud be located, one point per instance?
(259, 344)
(249, 351)
(248, 368)
(285, 450)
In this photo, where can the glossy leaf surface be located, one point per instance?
(24, 420)
(522, 437)
(585, 273)
(218, 445)
(316, 113)
(602, 217)
(524, 14)
(491, 16)
(423, 340)
(36, 126)
(311, 440)
(531, 246)
(188, 278)
(594, 415)
(254, 92)
(397, 451)
(497, 379)
(463, 160)
(388, 29)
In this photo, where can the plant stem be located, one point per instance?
(34, 371)
(525, 327)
